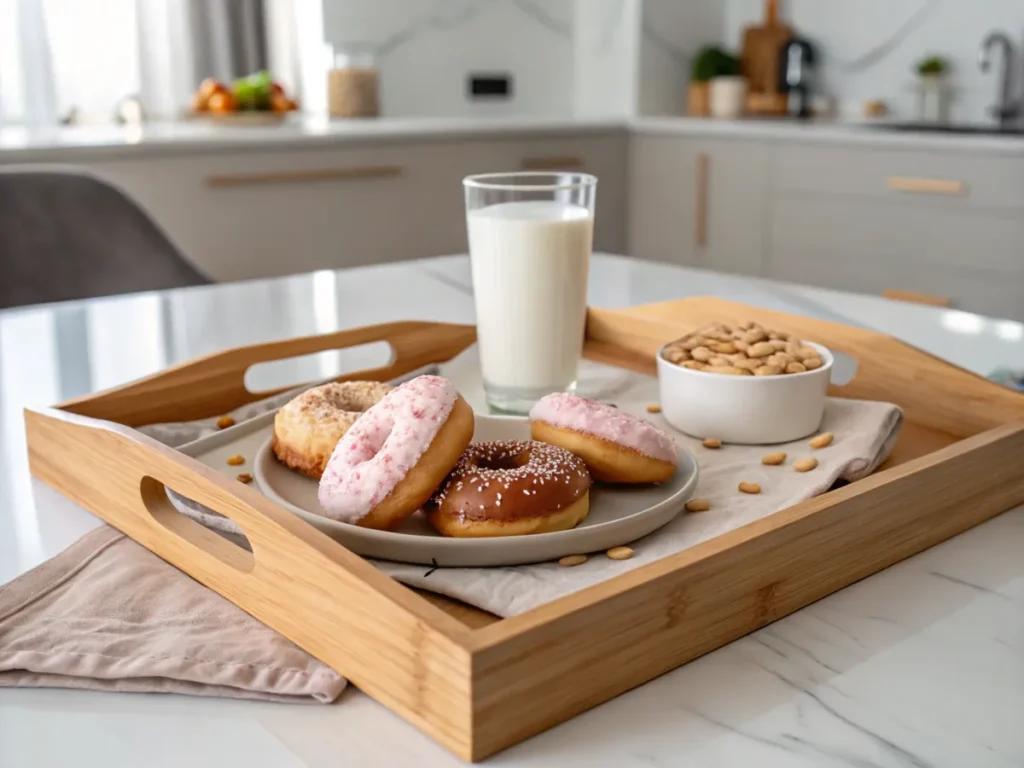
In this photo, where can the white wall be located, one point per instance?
(845, 31)
(606, 72)
(672, 31)
(428, 47)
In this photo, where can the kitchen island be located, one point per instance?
(919, 665)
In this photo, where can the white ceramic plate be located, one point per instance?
(618, 515)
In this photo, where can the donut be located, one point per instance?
(395, 456)
(511, 488)
(307, 428)
(616, 447)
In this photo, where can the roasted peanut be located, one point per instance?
(236, 460)
(795, 368)
(693, 365)
(224, 422)
(694, 342)
(654, 408)
(761, 349)
(773, 459)
(754, 335)
(804, 353)
(697, 505)
(727, 370)
(767, 370)
(778, 344)
(619, 553)
(701, 354)
(724, 348)
(570, 560)
(719, 362)
(243, 477)
(805, 465)
(748, 363)
(812, 363)
(825, 438)
(749, 487)
(712, 442)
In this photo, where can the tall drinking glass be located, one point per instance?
(530, 237)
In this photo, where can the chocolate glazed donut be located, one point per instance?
(511, 488)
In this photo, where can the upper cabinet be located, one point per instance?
(697, 202)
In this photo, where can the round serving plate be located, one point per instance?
(618, 515)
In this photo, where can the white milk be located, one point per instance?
(530, 263)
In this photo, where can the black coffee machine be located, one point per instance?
(796, 75)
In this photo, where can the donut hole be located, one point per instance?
(503, 461)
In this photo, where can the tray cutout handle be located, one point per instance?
(268, 378)
(207, 543)
(215, 384)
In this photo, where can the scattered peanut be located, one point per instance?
(619, 553)
(697, 505)
(712, 442)
(825, 438)
(773, 459)
(224, 422)
(750, 488)
(234, 461)
(243, 477)
(746, 349)
(805, 465)
(654, 408)
(570, 560)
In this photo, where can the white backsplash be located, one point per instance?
(426, 49)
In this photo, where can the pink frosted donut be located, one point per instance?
(395, 456)
(616, 447)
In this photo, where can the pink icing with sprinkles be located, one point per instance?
(382, 446)
(592, 417)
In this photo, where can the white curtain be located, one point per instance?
(83, 57)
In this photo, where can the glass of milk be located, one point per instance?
(530, 237)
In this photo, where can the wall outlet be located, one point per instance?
(488, 87)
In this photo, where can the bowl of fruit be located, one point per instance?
(255, 99)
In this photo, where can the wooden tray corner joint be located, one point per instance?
(477, 684)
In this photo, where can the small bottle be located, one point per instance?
(353, 85)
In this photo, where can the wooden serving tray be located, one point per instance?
(477, 684)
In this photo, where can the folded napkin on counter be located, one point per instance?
(108, 615)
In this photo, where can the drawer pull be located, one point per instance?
(700, 230)
(926, 186)
(555, 163)
(301, 176)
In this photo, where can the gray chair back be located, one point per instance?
(66, 234)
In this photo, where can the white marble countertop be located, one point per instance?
(82, 143)
(921, 665)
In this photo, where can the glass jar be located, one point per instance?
(353, 84)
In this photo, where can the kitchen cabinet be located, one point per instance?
(949, 225)
(259, 213)
(698, 202)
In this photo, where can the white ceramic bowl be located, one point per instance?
(749, 410)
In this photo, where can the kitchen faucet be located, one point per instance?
(1006, 110)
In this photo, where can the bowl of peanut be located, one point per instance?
(749, 384)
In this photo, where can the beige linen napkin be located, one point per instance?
(108, 615)
(864, 434)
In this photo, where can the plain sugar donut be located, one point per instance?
(308, 427)
(393, 458)
(616, 447)
(511, 488)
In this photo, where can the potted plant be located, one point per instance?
(728, 89)
(710, 64)
(933, 89)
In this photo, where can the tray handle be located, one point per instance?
(214, 384)
(296, 580)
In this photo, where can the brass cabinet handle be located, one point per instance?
(701, 213)
(352, 173)
(553, 163)
(926, 186)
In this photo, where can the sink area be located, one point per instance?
(980, 129)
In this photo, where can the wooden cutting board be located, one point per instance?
(759, 56)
